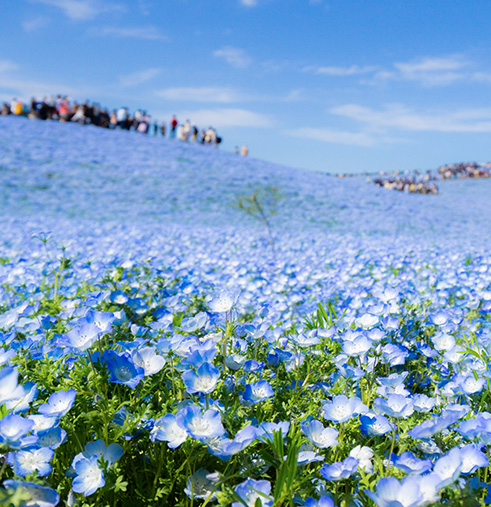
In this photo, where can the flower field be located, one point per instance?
(181, 326)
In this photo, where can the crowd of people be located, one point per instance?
(470, 170)
(61, 108)
(408, 184)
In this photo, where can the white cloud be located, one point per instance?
(204, 94)
(227, 118)
(334, 136)
(34, 24)
(429, 71)
(233, 56)
(140, 32)
(249, 3)
(397, 116)
(81, 10)
(344, 71)
(7, 65)
(140, 77)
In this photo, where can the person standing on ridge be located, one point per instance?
(244, 151)
(173, 126)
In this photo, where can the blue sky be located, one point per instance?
(327, 85)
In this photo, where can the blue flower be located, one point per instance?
(391, 492)
(109, 454)
(252, 491)
(204, 380)
(22, 404)
(26, 462)
(318, 435)
(341, 408)
(148, 359)
(13, 428)
(9, 390)
(52, 437)
(324, 501)
(257, 392)
(410, 464)
(396, 405)
(37, 495)
(376, 425)
(81, 337)
(169, 429)
(89, 477)
(123, 369)
(242, 439)
(59, 403)
(199, 425)
(201, 485)
(340, 470)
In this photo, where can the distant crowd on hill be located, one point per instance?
(61, 108)
(424, 183)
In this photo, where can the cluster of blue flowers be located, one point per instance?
(155, 347)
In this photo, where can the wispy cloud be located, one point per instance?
(429, 71)
(249, 3)
(134, 32)
(400, 117)
(82, 10)
(228, 117)
(7, 65)
(34, 24)
(344, 71)
(236, 57)
(140, 77)
(203, 94)
(334, 136)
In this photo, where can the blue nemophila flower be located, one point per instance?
(28, 461)
(22, 404)
(266, 429)
(252, 491)
(341, 408)
(234, 361)
(52, 437)
(472, 458)
(375, 425)
(13, 428)
(9, 390)
(308, 455)
(324, 501)
(42, 423)
(423, 403)
(410, 464)
(88, 476)
(242, 439)
(198, 356)
(396, 405)
(223, 302)
(448, 467)
(123, 369)
(201, 485)
(37, 495)
(413, 491)
(201, 425)
(59, 403)
(340, 470)
(318, 435)
(306, 340)
(257, 392)
(81, 337)
(252, 366)
(110, 454)
(169, 429)
(148, 359)
(203, 380)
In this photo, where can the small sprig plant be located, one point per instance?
(262, 205)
